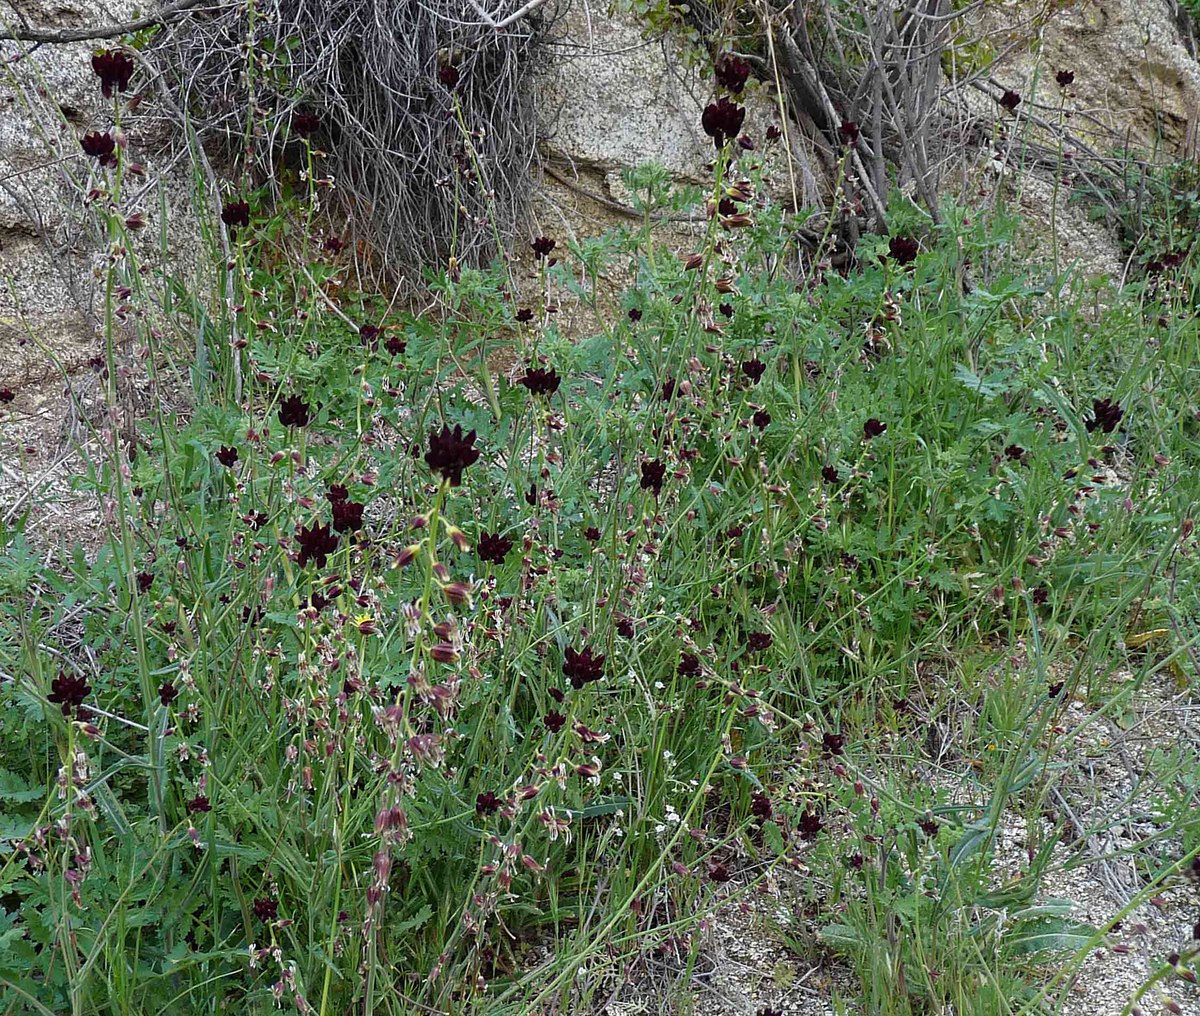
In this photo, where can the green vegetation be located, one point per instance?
(317, 722)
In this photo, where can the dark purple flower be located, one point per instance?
(928, 825)
(732, 73)
(236, 214)
(294, 412)
(1106, 414)
(591, 534)
(167, 693)
(493, 547)
(6, 396)
(198, 805)
(667, 392)
(832, 744)
(689, 665)
(1010, 100)
(317, 542)
(540, 381)
(68, 691)
(395, 345)
(754, 369)
(760, 806)
(524, 315)
(635, 315)
(850, 131)
(625, 627)
(450, 452)
(758, 641)
(718, 873)
(347, 515)
(531, 495)
(1065, 78)
(114, 69)
(227, 456)
(554, 721)
(774, 132)
(653, 473)
(542, 246)
(903, 249)
(265, 908)
(873, 428)
(145, 580)
(487, 803)
(809, 825)
(448, 75)
(726, 309)
(722, 120)
(830, 474)
(1014, 453)
(582, 667)
(762, 419)
(305, 125)
(100, 146)
(369, 336)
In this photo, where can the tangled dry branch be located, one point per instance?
(426, 110)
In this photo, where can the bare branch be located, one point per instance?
(87, 34)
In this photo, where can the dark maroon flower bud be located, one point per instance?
(873, 428)
(236, 214)
(114, 69)
(226, 456)
(265, 908)
(732, 73)
(722, 121)
(582, 667)
(167, 693)
(1010, 100)
(903, 249)
(754, 369)
(542, 246)
(487, 803)
(653, 474)
(774, 133)
(450, 452)
(493, 547)
(531, 495)
(849, 130)
(448, 75)
(305, 125)
(1065, 78)
(144, 581)
(540, 381)
(100, 146)
(625, 628)
(317, 542)
(68, 691)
